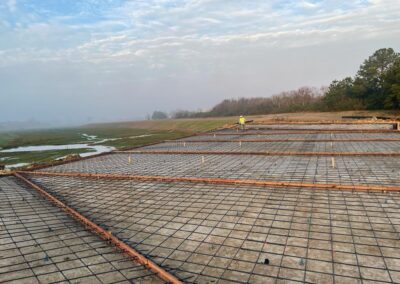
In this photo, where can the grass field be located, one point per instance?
(37, 157)
(183, 125)
(121, 135)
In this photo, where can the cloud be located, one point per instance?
(308, 5)
(137, 24)
(173, 44)
(12, 5)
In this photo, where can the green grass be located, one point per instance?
(157, 131)
(38, 157)
(40, 137)
(141, 141)
(62, 136)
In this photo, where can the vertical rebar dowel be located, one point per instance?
(129, 159)
(333, 162)
(203, 159)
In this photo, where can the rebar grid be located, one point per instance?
(104, 234)
(323, 123)
(283, 140)
(325, 126)
(225, 233)
(261, 153)
(215, 181)
(39, 243)
(296, 131)
(379, 171)
(281, 147)
(312, 136)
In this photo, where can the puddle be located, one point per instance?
(97, 150)
(105, 140)
(91, 144)
(16, 165)
(89, 137)
(114, 139)
(139, 136)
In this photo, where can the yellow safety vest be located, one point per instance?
(242, 120)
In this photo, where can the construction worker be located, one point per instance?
(242, 122)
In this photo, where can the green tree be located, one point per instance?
(159, 115)
(341, 96)
(392, 86)
(371, 75)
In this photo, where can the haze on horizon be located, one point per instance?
(106, 60)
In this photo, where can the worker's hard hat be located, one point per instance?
(241, 116)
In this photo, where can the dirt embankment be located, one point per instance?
(325, 116)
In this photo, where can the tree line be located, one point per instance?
(302, 99)
(376, 85)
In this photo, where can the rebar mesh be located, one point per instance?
(228, 233)
(324, 126)
(209, 233)
(347, 170)
(40, 243)
(291, 146)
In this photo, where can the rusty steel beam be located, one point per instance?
(384, 154)
(308, 131)
(136, 256)
(325, 186)
(286, 140)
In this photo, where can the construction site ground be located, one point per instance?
(276, 203)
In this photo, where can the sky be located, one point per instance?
(68, 62)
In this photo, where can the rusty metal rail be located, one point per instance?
(286, 140)
(189, 152)
(136, 256)
(221, 181)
